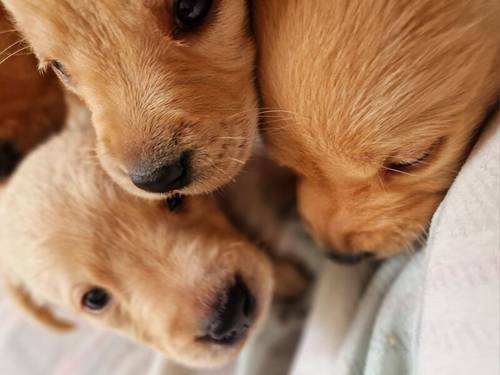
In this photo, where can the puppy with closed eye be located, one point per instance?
(170, 84)
(174, 275)
(375, 104)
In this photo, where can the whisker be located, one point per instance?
(8, 31)
(13, 54)
(381, 181)
(10, 46)
(237, 161)
(397, 171)
(213, 164)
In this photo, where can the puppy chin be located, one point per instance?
(202, 356)
(382, 244)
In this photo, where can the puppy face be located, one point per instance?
(169, 83)
(378, 123)
(187, 286)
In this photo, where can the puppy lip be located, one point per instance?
(174, 203)
(226, 341)
(348, 258)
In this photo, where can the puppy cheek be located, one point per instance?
(314, 207)
(109, 139)
(405, 228)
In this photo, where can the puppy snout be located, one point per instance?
(170, 176)
(233, 314)
(9, 158)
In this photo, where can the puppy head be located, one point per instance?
(169, 83)
(378, 124)
(182, 282)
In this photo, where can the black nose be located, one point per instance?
(348, 258)
(171, 176)
(233, 315)
(9, 158)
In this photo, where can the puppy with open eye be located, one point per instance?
(174, 275)
(374, 105)
(170, 84)
(31, 105)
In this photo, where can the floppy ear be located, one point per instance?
(41, 314)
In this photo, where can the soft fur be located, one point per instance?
(154, 92)
(31, 105)
(65, 226)
(354, 88)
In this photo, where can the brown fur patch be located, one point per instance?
(31, 105)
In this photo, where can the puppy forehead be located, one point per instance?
(107, 259)
(75, 5)
(89, 20)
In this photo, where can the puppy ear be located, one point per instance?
(41, 314)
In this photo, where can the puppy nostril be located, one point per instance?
(171, 176)
(233, 316)
(9, 158)
(348, 258)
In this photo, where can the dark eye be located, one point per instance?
(174, 203)
(191, 13)
(59, 69)
(95, 299)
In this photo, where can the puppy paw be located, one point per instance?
(9, 158)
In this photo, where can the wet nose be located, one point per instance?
(171, 176)
(233, 315)
(9, 158)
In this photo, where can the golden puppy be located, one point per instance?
(31, 106)
(176, 277)
(374, 105)
(170, 84)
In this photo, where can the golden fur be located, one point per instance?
(153, 93)
(66, 226)
(354, 90)
(31, 105)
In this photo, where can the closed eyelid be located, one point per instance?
(402, 164)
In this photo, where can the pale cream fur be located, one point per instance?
(65, 226)
(353, 87)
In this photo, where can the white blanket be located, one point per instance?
(434, 312)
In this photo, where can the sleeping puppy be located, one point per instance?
(31, 106)
(174, 275)
(374, 106)
(170, 84)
